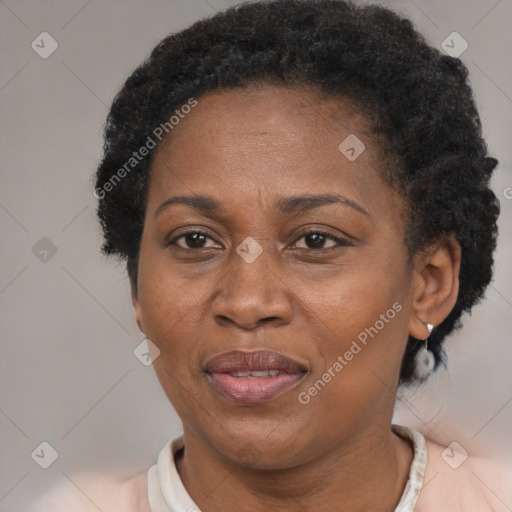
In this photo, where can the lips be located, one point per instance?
(253, 377)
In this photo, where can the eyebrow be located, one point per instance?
(287, 206)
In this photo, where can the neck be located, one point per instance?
(367, 471)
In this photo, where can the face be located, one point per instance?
(256, 277)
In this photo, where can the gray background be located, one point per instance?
(68, 372)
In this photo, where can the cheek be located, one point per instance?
(361, 316)
(172, 315)
(172, 308)
(352, 297)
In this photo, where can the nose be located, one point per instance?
(252, 294)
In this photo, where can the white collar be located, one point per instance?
(166, 492)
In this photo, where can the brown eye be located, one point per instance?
(193, 240)
(318, 240)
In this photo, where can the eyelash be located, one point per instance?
(340, 242)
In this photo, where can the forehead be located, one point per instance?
(251, 114)
(268, 140)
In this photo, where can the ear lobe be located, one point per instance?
(136, 306)
(435, 285)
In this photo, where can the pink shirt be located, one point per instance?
(441, 479)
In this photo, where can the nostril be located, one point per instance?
(268, 319)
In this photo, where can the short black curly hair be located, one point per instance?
(418, 98)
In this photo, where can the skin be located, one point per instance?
(247, 149)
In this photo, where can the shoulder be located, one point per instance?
(456, 480)
(88, 493)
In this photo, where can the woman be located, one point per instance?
(300, 190)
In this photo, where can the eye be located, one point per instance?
(315, 239)
(193, 240)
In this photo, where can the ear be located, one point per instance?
(136, 304)
(435, 285)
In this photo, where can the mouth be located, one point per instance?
(253, 377)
